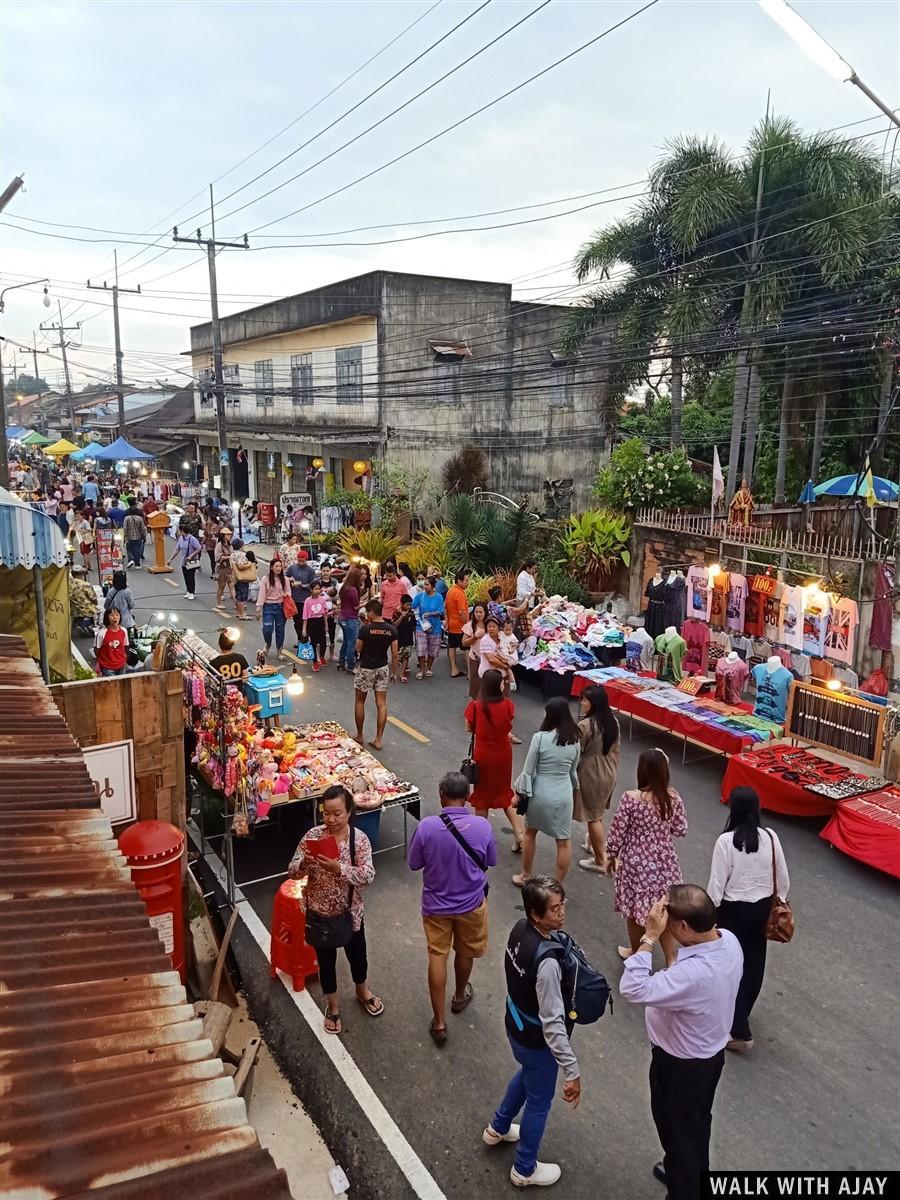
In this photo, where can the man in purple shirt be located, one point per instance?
(689, 1009)
(453, 851)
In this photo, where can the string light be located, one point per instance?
(834, 685)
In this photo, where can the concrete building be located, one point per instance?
(409, 368)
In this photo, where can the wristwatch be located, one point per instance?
(649, 942)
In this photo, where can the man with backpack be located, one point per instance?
(549, 987)
(453, 850)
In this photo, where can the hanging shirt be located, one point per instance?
(790, 625)
(842, 627)
(639, 651)
(731, 678)
(800, 665)
(698, 597)
(880, 631)
(673, 648)
(759, 588)
(718, 599)
(816, 611)
(737, 599)
(696, 635)
(771, 692)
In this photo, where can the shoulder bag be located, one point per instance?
(329, 933)
(245, 572)
(470, 851)
(469, 766)
(289, 606)
(780, 925)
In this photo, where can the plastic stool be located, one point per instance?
(289, 951)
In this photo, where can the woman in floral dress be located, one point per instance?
(641, 850)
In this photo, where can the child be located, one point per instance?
(111, 645)
(253, 591)
(405, 624)
(315, 611)
(509, 650)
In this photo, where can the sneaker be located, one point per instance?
(188, 595)
(129, 565)
(590, 864)
(543, 1175)
(739, 1045)
(491, 1137)
(315, 666)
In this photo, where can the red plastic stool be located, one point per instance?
(289, 952)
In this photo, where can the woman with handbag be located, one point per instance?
(224, 569)
(749, 883)
(244, 574)
(597, 770)
(334, 904)
(489, 721)
(547, 786)
(189, 548)
(270, 605)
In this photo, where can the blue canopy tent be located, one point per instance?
(123, 450)
(32, 540)
(88, 451)
(15, 433)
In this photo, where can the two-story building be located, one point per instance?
(407, 368)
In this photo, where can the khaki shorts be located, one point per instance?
(466, 934)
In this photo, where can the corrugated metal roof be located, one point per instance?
(109, 1089)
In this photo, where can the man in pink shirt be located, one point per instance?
(392, 588)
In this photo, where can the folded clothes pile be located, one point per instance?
(565, 634)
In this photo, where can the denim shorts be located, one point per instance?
(242, 590)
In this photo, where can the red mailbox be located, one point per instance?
(266, 513)
(154, 850)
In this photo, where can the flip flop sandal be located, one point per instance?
(519, 880)
(429, 674)
(334, 1020)
(456, 1006)
(373, 1006)
(438, 1036)
(517, 845)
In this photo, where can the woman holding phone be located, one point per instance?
(334, 890)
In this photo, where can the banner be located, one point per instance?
(296, 500)
(18, 615)
(111, 768)
(109, 551)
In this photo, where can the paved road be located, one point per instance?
(820, 1089)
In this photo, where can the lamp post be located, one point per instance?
(820, 51)
(4, 446)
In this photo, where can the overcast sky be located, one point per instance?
(120, 114)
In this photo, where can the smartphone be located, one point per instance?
(325, 847)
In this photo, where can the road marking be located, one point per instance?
(420, 1178)
(172, 583)
(413, 733)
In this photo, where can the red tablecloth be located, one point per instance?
(868, 829)
(775, 793)
(680, 724)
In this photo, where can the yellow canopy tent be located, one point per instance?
(63, 446)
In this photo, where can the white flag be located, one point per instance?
(718, 486)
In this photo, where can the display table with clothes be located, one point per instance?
(797, 782)
(868, 829)
(566, 638)
(702, 721)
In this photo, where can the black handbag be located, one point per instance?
(469, 766)
(330, 933)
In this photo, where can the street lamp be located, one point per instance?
(819, 50)
(4, 445)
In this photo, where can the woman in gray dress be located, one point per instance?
(596, 772)
(550, 781)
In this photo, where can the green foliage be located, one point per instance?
(372, 544)
(634, 478)
(25, 385)
(593, 544)
(345, 498)
(557, 581)
(430, 549)
(484, 537)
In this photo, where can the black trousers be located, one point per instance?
(189, 574)
(332, 631)
(747, 921)
(681, 1099)
(356, 957)
(316, 629)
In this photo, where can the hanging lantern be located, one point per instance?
(359, 466)
(288, 467)
(318, 463)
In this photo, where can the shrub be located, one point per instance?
(633, 478)
(373, 544)
(429, 549)
(465, 471)
(557, 581)
(593, 544)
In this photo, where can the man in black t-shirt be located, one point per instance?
(377, 639)
(232, 667)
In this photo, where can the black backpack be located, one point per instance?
(584, 989)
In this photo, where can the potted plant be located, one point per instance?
(593, 545)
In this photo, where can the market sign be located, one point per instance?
(295, 499)
(109, 551)
(111, 768)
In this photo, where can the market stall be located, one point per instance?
(868, 829)
(797, 782)
(566, 638)
(698, 720)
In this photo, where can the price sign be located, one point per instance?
(109, 552)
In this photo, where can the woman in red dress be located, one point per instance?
(490, 718)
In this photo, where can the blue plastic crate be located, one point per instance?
(270, 692)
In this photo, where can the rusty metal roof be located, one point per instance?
(109, 1089)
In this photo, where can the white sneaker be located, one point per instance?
(491, 1137)
(544, 1175)
(188, 595)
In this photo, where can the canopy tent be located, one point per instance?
(15, 433)
(871, 487)
(33, 553)
(88, 451)
(121, 449)
(63, 446)
(36, 439)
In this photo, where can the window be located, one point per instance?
(348, 362)
(264, 383)
(562, 379)
(301, 378)
(447, 360)
(231, 375)
(206, 388)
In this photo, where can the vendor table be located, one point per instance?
(868, 829)
(776, 793)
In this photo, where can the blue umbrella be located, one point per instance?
(854, 485)
(808, 495)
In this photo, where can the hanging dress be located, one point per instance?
(655, 615)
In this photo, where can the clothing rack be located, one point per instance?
(848, 724)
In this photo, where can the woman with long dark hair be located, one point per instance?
(549, 780)
(640, 849)
(490, 719)
(597, 769)
(473, 631)
(348, 617)
(273, 588)
(740, 884)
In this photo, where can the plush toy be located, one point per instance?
(283, 782)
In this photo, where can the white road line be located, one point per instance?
(420, 1178)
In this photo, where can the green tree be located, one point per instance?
(27, 385)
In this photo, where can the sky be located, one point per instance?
(119, 115)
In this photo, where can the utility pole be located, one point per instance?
(115, 289)
(62, 330)
(210, 244)
(37, 377)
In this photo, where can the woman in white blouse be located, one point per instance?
(740, 884)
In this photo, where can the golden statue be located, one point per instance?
(742, 506)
